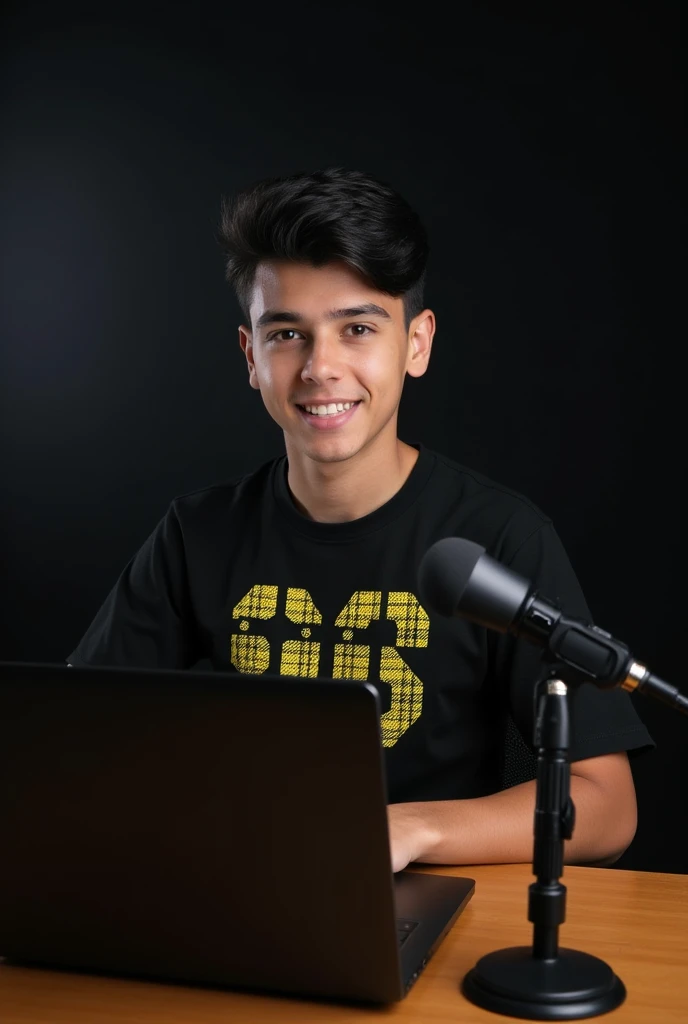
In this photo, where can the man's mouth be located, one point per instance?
(331, 409)
(328, 417)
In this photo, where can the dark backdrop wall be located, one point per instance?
(545, 153)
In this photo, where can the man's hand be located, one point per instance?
(410, 836)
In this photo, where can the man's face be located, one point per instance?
(321, 337)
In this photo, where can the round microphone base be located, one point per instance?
(570, 987)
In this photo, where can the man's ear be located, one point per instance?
(246, 343)
(421, 333)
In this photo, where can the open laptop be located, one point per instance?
(207, 827)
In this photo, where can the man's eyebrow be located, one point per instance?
(367, 309)
(288, 316)
(278, 316)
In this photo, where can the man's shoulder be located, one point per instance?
(476, 494)
(246, 490)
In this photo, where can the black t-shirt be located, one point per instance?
(234, 573)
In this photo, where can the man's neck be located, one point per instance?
(339, 492)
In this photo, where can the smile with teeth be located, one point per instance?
(328, 410)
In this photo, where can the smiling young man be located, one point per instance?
(329, 355)
(308, 565)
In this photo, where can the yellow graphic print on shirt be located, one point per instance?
(300, 657)
(251, 653)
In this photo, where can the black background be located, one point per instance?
(543, 147)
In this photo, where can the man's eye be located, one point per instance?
(359, 330)
(286, 334)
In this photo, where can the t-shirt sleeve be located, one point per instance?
(601, 721)
(145, 621)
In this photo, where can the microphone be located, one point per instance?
(457, 577)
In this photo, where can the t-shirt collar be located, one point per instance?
(382, 517)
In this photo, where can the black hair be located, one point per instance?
(330, 215)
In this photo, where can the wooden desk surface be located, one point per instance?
(636, 921)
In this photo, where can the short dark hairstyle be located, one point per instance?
(330, 215)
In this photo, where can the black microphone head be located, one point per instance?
(444, 572)
(458, 577)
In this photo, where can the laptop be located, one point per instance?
(205, 827)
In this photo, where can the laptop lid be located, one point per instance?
(197, 826)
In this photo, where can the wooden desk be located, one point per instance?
(636, 921)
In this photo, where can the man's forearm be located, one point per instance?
(498, 829)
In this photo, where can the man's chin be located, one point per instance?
(334, 450)
(340, 455)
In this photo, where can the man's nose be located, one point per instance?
(323, 361)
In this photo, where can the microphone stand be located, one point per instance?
(546, 982)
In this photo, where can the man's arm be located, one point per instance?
(147, 619)
(498, 829)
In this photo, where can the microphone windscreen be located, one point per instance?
(444, 572)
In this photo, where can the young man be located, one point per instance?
(308, 565)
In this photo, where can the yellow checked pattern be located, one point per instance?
(300, 607)
(407, 696)
(300, 657)
(259, 603)
(359, 611)
(251, 653)
(413, 630)
(413, 622)
(352, 661)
